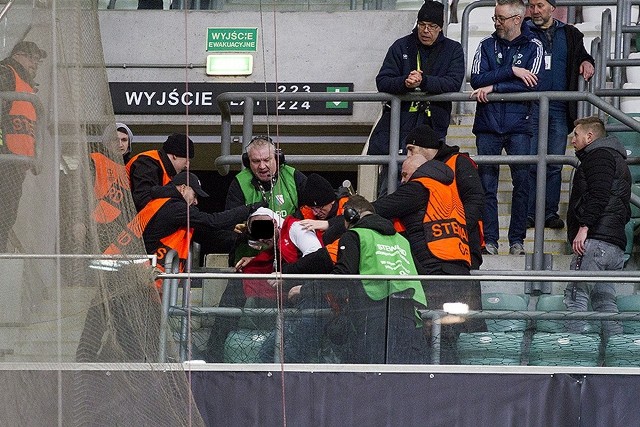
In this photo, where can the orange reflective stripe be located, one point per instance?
(332, 249)
(105, 213)
(307, 212)
(20, 125)
(154, 154)
(398, 225)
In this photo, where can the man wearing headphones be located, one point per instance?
(266, 178)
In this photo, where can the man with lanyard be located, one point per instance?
(423, 61)
(151, 171)
(565, 61)
(19, 121)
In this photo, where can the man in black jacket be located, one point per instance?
(598, 212)
(150, 172)
(566, 61)
(423, 140)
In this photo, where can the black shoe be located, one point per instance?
(530, 222)
(555, 223)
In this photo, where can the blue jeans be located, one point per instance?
(556, 144)
(493, 144)
(598, 256)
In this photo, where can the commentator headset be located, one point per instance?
(245, 156)
(351, 215)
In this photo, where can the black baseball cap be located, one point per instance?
(193, 182)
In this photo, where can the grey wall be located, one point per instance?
(292, 47)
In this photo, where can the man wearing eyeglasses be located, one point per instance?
(423, 61)
(567, 61)
(510, 60)
(17, 74)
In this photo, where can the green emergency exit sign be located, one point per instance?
(232, 39)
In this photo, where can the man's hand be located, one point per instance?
(578, 241)
(586, 70)
(188, 194)
(243, 263)
(481, 93)
(526, 76)
(314, 224)
(414, 80)
(294, 292)
(240, 228)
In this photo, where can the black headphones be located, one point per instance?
(245, 156)
(351, 215)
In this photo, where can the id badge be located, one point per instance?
(547, 62)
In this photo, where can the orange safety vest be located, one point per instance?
(20, 123)
(452, 164)
(444, 222)
(154, 154)
(179, 240)
(111, 182)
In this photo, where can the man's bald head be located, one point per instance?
(410, 165)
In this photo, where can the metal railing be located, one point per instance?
(185, 310)
(392, 159)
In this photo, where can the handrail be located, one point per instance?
(392, 159)
(169, 298)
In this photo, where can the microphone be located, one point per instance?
(349, 187)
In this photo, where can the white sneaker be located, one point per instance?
(490, 249)
(516, 249)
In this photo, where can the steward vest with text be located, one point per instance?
(444, 222)
(387, 255)
(109, 188)
(19, 124)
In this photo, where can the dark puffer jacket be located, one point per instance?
(600, 192)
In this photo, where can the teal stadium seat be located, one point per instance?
(551, 345)
(502, 343)
(243, 344)
(631, 141)
(624, 349)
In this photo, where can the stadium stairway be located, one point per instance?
(555, 240)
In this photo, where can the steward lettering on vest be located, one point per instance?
(444, 222)
(19, 125)
(445, 229)
(109, 187)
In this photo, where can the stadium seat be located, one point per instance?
(624, 349)
(502, 344)
(630, 104)
(631, 141)
(552, 346)
(594, 14)
(633, 72)
(243, 346)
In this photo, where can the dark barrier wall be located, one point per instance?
(414, 399)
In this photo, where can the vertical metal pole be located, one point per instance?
(247, 123)
(541, 183)
(394, 145)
